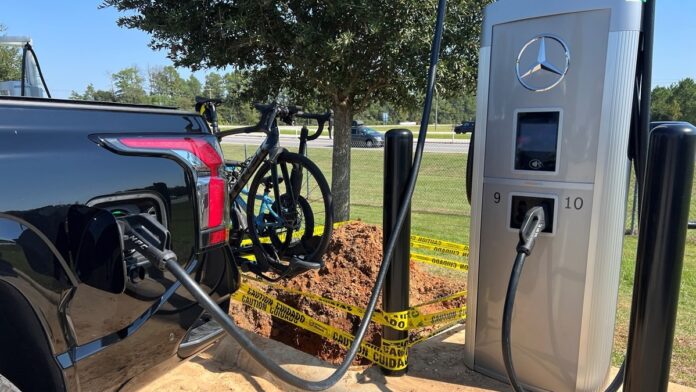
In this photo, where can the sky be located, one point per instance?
(78, 44)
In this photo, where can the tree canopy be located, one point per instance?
(129, 85)
(345, 54)
(165, 86)
(676, 102)
(10, 61)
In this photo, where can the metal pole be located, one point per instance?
(437, 105)
(659, 261)
(398, 151)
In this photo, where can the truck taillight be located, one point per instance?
(202, 155)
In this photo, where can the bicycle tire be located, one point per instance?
(307, 214)
(313, 209)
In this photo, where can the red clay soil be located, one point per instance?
(352, 263)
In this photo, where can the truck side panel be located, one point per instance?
(52, 172)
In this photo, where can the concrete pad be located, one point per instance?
(205, 374)
(434, 365)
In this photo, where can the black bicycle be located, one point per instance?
(286, 212)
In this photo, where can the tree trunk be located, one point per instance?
(340, 168)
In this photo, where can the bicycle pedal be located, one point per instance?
(309, 265)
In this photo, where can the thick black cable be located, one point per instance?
(38, 68)
(30, 50)
(233, 330)
(507, 320)
(646, 65)
(507, 329)
(22, 83)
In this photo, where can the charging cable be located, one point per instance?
(533, 224)
(165, 260)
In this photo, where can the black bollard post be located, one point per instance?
(398, 153)
(661, 240)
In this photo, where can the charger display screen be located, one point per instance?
(536, 141)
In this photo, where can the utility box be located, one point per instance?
(33, 84)
(555, 92)
(14, 88)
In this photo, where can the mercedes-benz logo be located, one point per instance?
(542, 63)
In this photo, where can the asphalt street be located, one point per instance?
(431, 145)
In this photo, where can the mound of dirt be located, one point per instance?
(351, 266)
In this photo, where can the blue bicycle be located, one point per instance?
(263, 217)
(286, 211)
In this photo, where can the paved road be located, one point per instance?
(431, 145)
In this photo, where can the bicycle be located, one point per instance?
(291, 225)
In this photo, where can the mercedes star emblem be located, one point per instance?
(548, 68)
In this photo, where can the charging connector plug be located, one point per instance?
(138, 241)
(533, 224)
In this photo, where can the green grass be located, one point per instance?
(440, 210)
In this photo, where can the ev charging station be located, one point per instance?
(555, 104)
(555, 92)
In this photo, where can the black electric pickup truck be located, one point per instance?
(79, 310)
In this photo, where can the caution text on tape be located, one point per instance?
(440, 262)
(392, 356)
(417, 239)
(409, 319)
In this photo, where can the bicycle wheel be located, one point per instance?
(289, 206)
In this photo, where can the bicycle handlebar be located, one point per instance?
(321, 120)
(203, 100)
(269, 112)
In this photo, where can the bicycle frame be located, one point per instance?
(269, 147)
(277, 210)
(266, 204)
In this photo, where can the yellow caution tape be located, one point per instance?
(440, 262)
(408, 319)
(416, 239)
(450, 297)
(419, 242)
(319, 230)
(440, 249)
(402, 321)
(417, 320)
(392, 356)
(398, 320)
